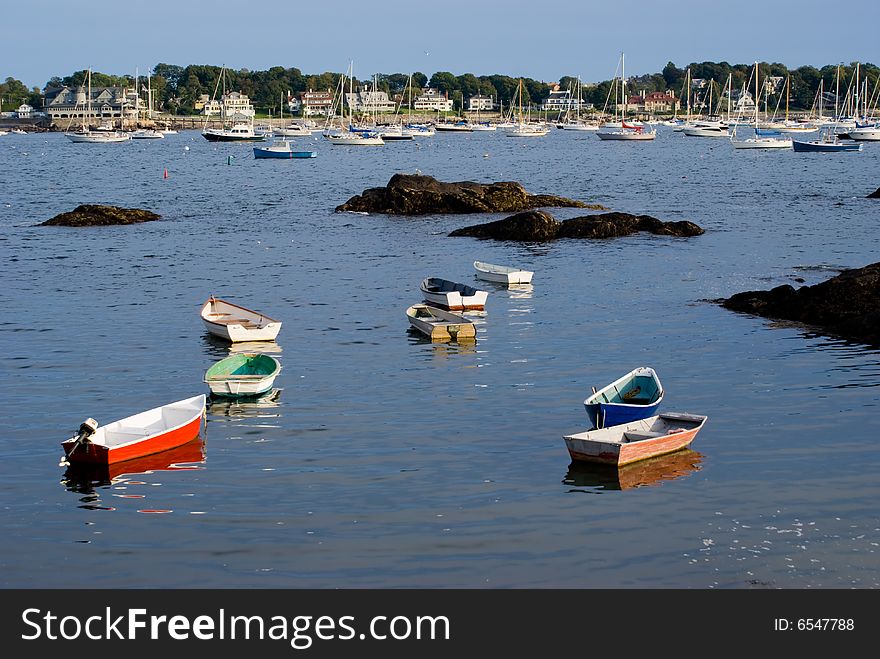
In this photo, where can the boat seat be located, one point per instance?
(639, 436)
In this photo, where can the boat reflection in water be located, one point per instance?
(85, 477)
(652, 471)
(216, 347)
(254, 406)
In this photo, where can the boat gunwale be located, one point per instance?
(145, 438)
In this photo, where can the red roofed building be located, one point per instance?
(652, 103)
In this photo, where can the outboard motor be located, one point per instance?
(86, 429)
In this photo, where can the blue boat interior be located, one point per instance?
(640, 390)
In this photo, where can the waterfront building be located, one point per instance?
(317, 103)
(480, 103)
(432, 100)
(235, 106)
(369, 100)
(559, 100)
(107, 103)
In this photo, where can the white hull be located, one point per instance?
(502, 274)
(98, 137)
(700, 131)
(484, 127)
(234, 323)
(452, 296)
(527, 132)
(581, 127)
(865, 134)
(626, 135)
(147, 135)
(232, 387)
(353, 139)
(761, 143)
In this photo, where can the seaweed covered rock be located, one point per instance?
(538, 225)
(93, 215)
(875, 194)
(614, 225)
(847, 305)
(529, 226)
(417, 194)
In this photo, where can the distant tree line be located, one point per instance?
(176, 88)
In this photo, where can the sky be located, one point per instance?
(584, 38)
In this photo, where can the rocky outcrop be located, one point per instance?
(530, 226)
(541, 226)
(875, 194)
(416, 194)
(614, 225)
(847, 305)
(92, 215)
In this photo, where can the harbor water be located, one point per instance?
(385, 460)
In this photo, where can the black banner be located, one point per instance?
(430, 623)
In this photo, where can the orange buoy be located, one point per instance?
(166, 173)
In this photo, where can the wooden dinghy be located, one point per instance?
(630, 442)
(235, 323)
(502, 274)
(145, 433)
(439, 324)
(452, 295)
(636, 395)
(243, 374)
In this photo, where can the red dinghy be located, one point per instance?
(145, 433)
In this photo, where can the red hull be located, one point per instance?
(96, 454)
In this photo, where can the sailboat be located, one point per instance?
(351, 137)
(523, 129)
(577, 123)
(629, 132)
(707, 127)
(237, 132)
(829, 139)
(758, 141)
(85, 134)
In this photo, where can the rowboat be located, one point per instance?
(502, 273)
(453, 296)
(243, 374)
(439, 324)
(234, 323)
(145, 433)
(636, 395)
(637, 440)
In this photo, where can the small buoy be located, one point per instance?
(228, 160)
(186, 148)
(485, 155)
(165, 175)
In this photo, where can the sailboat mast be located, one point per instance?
(787, 95)
(837, 93)
(622, 89)
(756, 99)
(729, 93)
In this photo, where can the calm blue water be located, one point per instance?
(388, 461)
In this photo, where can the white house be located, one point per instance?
(367, 100)
(25, 111)
(431, 99)
(480, 103)
(559, 100)
(317, 103)
(234, 105)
